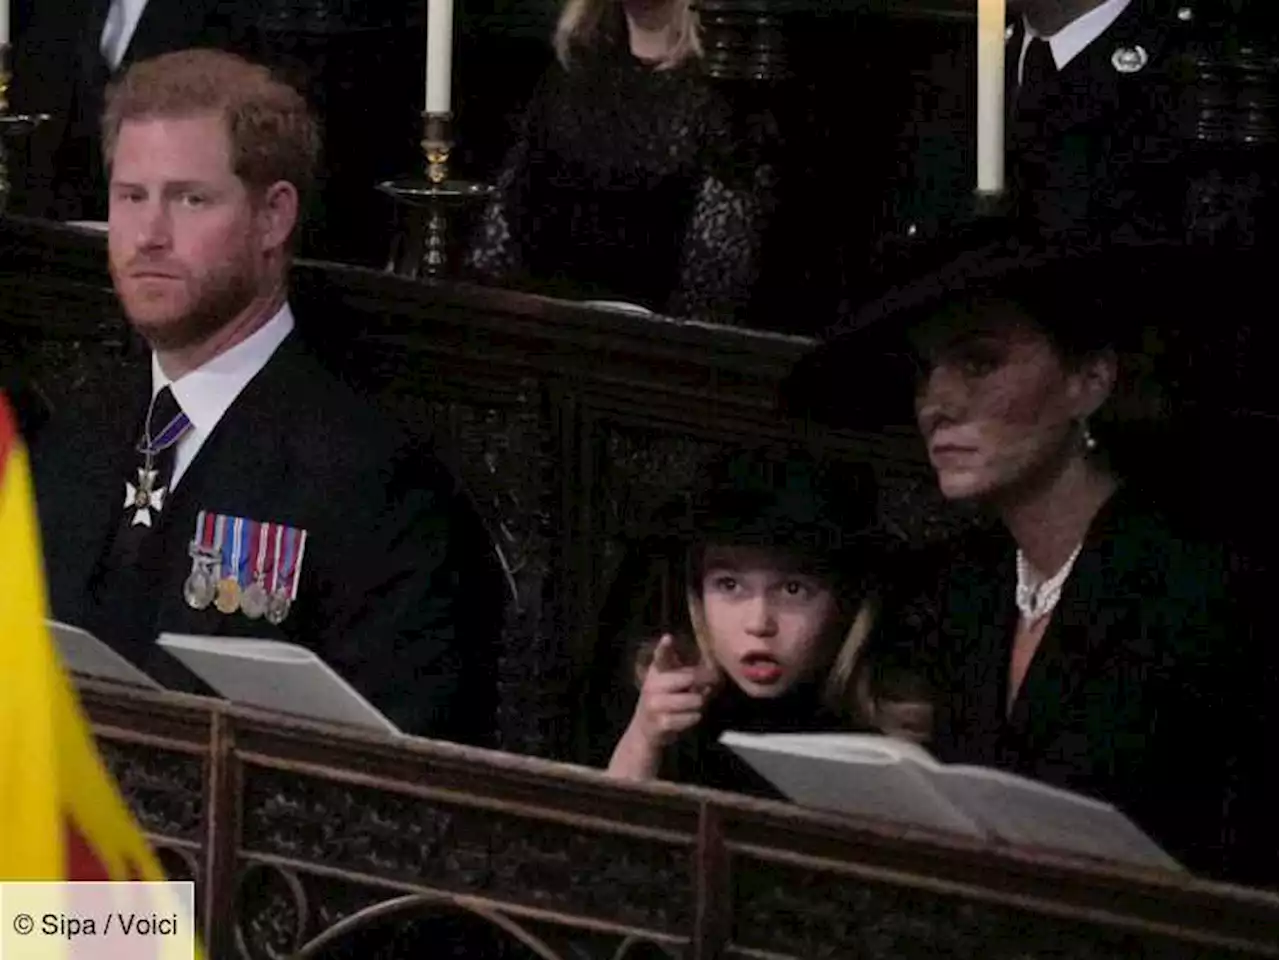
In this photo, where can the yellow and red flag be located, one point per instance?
(61, 816)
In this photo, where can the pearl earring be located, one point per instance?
(1090, 444)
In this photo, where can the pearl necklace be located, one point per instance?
(1037, 600)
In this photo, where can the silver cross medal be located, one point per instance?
(144, 497)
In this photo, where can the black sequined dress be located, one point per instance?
(627, 182)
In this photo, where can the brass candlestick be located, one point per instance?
(437, 144)
(11, 125)
(422, 250)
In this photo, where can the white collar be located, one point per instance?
(206, 392)
(1068, 42)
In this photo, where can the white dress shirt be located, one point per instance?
(206, 392)
(1067, 43)
(119, 28)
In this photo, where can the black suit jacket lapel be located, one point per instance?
(92, 66)
(164, 25)
(242, 466)
(1014, 35)
(980, 620)
(171, 25)
(1092, 88)
(1083, 638)
(1068, 653)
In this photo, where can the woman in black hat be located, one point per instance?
(1090, 643)
(772, 553)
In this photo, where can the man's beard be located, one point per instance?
(219, 298)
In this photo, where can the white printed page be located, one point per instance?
(1029, 814)
(275, 676)
(860, 776)
(85, 655)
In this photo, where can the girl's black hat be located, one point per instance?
(775, 497)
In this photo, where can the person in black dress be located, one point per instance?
(626, 181)
(1096, 638)
(772, 556)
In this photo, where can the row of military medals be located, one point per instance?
(245, 566)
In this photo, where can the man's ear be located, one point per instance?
(278, 214)
(1096, 379)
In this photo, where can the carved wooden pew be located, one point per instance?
(301, 837)
(567, 424)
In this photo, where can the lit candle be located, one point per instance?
(991, 42)
(439, 54)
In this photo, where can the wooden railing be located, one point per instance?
(314, 842)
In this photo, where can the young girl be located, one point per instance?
(774, 552)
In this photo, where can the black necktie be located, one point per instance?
(1038, 73)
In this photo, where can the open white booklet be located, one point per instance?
(258, 673)
(85, 655)
(887, 779)
(277, 676)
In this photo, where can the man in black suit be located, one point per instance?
(240, 489)
(1095, 94)
(65, 55)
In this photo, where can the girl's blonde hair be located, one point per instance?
(579, 25)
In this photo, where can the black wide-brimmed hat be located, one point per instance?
(1134, 297)
(772, 496)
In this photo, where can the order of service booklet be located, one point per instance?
(887, 779)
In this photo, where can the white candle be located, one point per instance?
(439, 54)
(991, 43)
(4, 22)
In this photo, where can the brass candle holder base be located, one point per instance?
(437, 145)
(992, 203)
(433, 204)
(12, 126)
